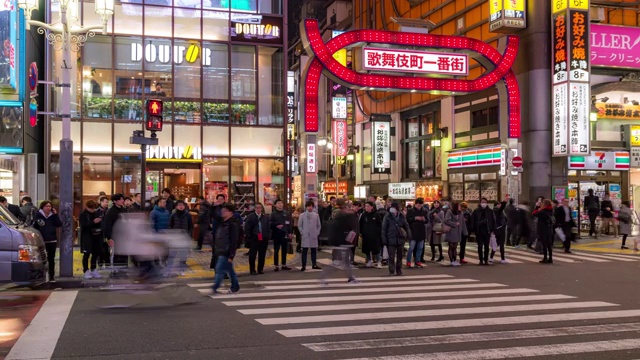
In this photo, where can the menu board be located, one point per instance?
(471, 192)
(457, 192)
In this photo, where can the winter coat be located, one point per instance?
(545, 223)
(370, 229)
(391, 226)
(511, 214)
(344, 221)
(280, 217)
(560, 216)
(436, 216)
(591, 204)
(457, 230)
(524, 218)
(253, 225)
(159, 218)
(625, 220)
(204, 216)
(181, 220)
(309, 226)
(483, 221)
(216, 217)
(29, 211)
(606, 214)
(47, 225)
(227, 238)
(90, 232)
(170, 204)
(110, 219)
(15, 210)
(418, 227)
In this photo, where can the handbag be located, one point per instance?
(560, 234)
(438, 228)
(493, 243)
(351, 237)
(289, 248)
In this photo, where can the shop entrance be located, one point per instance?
(183, 179)
(578, 190)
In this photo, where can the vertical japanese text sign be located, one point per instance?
(381, 143)
(571, 95)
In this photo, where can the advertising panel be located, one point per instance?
(339, 132)
(9, 61)
(381, 136)
(402, 191)
(615, 46)
(560, 111)
(507, 15)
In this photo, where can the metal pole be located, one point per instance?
(66, 155)
(335, 163)
(143, 175)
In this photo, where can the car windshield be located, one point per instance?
(7, 217)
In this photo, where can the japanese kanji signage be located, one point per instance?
(507, 15)
(635, 135)
(571, 92)
(414, 61)
(618, 111)
(615, 46)
(339, 131)
(635, 157)
(339, 107)
(311, 158)
(381, 143)
(402, 191)
(330, 187)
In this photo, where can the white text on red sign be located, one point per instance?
(415, 61)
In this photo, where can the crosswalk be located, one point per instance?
(425, 316)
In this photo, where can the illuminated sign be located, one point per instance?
(381, 147)
(340, 55)
(153, 121)
(339, 134)
(165, 54)
(507, 15)
(601, 160)
(330, 187)
(256, 28)
(402, 191)
(174, 154)
(291, 131)
(635, 135)
(414, 61)
(323, 61)
(339, 107)
(311, 158)
(614, 46)
(474, 158)
(9, 61)
(571, 91)
(618, 111)
(291, 115)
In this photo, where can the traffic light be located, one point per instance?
(153, 115)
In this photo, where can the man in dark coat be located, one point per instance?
(393, 237)
(370, 229)
(109, 221)
(564, 221)
(14, 209)
(226, 244)
(280, 222)
(592, 208)
(483, 225)
(417, 217)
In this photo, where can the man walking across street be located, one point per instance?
(592, 208)
(226, 244)
(565, 223)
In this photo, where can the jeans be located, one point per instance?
(395, 259)
(376, 256)
(51, 257)
(314, 253)
(418, 246)
(280, 246)
(257, 249)
(95, 253)
(223, 266)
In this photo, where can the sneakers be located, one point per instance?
(455, 263)
(419, 265)
(96, 274)
(353, 280)
(369, 263)
(463, 261)
(379, 264)
(285, 267)
(490, 261)
(303, 269)
(409, 264)
(88, 274)
(504, 262)
(316, 267)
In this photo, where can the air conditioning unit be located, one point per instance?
(597, 14)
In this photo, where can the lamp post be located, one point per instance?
(330, 144)
(67, 35)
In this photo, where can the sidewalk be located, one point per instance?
(604, 244)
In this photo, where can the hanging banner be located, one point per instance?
(381, 151)
(402, 191)
(244, 196)
(339, 132)
(311, 158)
(560, 111)
(506, 16)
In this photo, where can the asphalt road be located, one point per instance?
(581, 307)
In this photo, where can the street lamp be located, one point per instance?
(329, 143)
(67, 35)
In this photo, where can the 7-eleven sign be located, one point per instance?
(601, 160)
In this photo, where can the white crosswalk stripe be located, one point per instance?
(445, 309)
(521, 255)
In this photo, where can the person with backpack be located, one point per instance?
(592, 209)
(28, 210)
(546, 223)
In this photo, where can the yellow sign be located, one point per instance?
(635, 135)
(174, 154)
(341, 56)
(513, 5)
(558, 5)
(507, 16)
(579, 4)
(618, 111)
(495, 9)
(291, 131)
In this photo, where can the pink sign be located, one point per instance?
(615, 46)
(340, 137)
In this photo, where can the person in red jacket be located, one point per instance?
(545, 230)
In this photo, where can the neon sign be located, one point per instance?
(415, 61)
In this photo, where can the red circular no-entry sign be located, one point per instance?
(516, 161)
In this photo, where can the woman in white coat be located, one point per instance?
(309, 226)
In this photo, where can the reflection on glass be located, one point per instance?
(54, 182)
(128, 79)
(271, 187)
(126, 174)
(270, 72)
(217, 113)
(243, 85)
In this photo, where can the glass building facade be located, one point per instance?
(218, 66)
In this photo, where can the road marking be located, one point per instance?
(316, 280)
(583, 257)
(617, 256)
(355, 289)
(436, 312)
(607, 256)
(522, 351)
(389, 282)
(472, 337)
(313, 300)
(452, 324)
(39, 339)
(474, 258)
(382, 305)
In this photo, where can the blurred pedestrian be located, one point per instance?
(295, 216)
(564, 224)
(607, 220)
(500, 232)
(309, 226)
(342, 237)
(203, 222)
(592, 209)
(226, 244)
(625, 219)
(90, 239)
(466, 214)
(436, 219)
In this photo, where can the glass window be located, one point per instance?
(456, 191)
(256, 142)
(122, 133)
(89, 16)
(126, 175)
(164, 136)
(271, 186)
(216, 177)
(56, 135)
(471, 177)
(471, 192)
(157, 20)
(187, 135)
(215, 87)
(485, 117)
(158, 77)
(195, 4)
(488, 176)
(243, 84)
(455, 178)
(412, 127)
(216, 24)
(413, 160)
(96, 137)
(270, 6)
(243, 170)
(128, 78)
(270, 71)
(215, 140)
(96, 176)
(127, 18)
(216, 4)
(244, 5)
(187, 22)
(97, 80)
(427, 123)
(187, 83)
(163, 3)
(428, 161)
(489, 190)
(54, 182)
